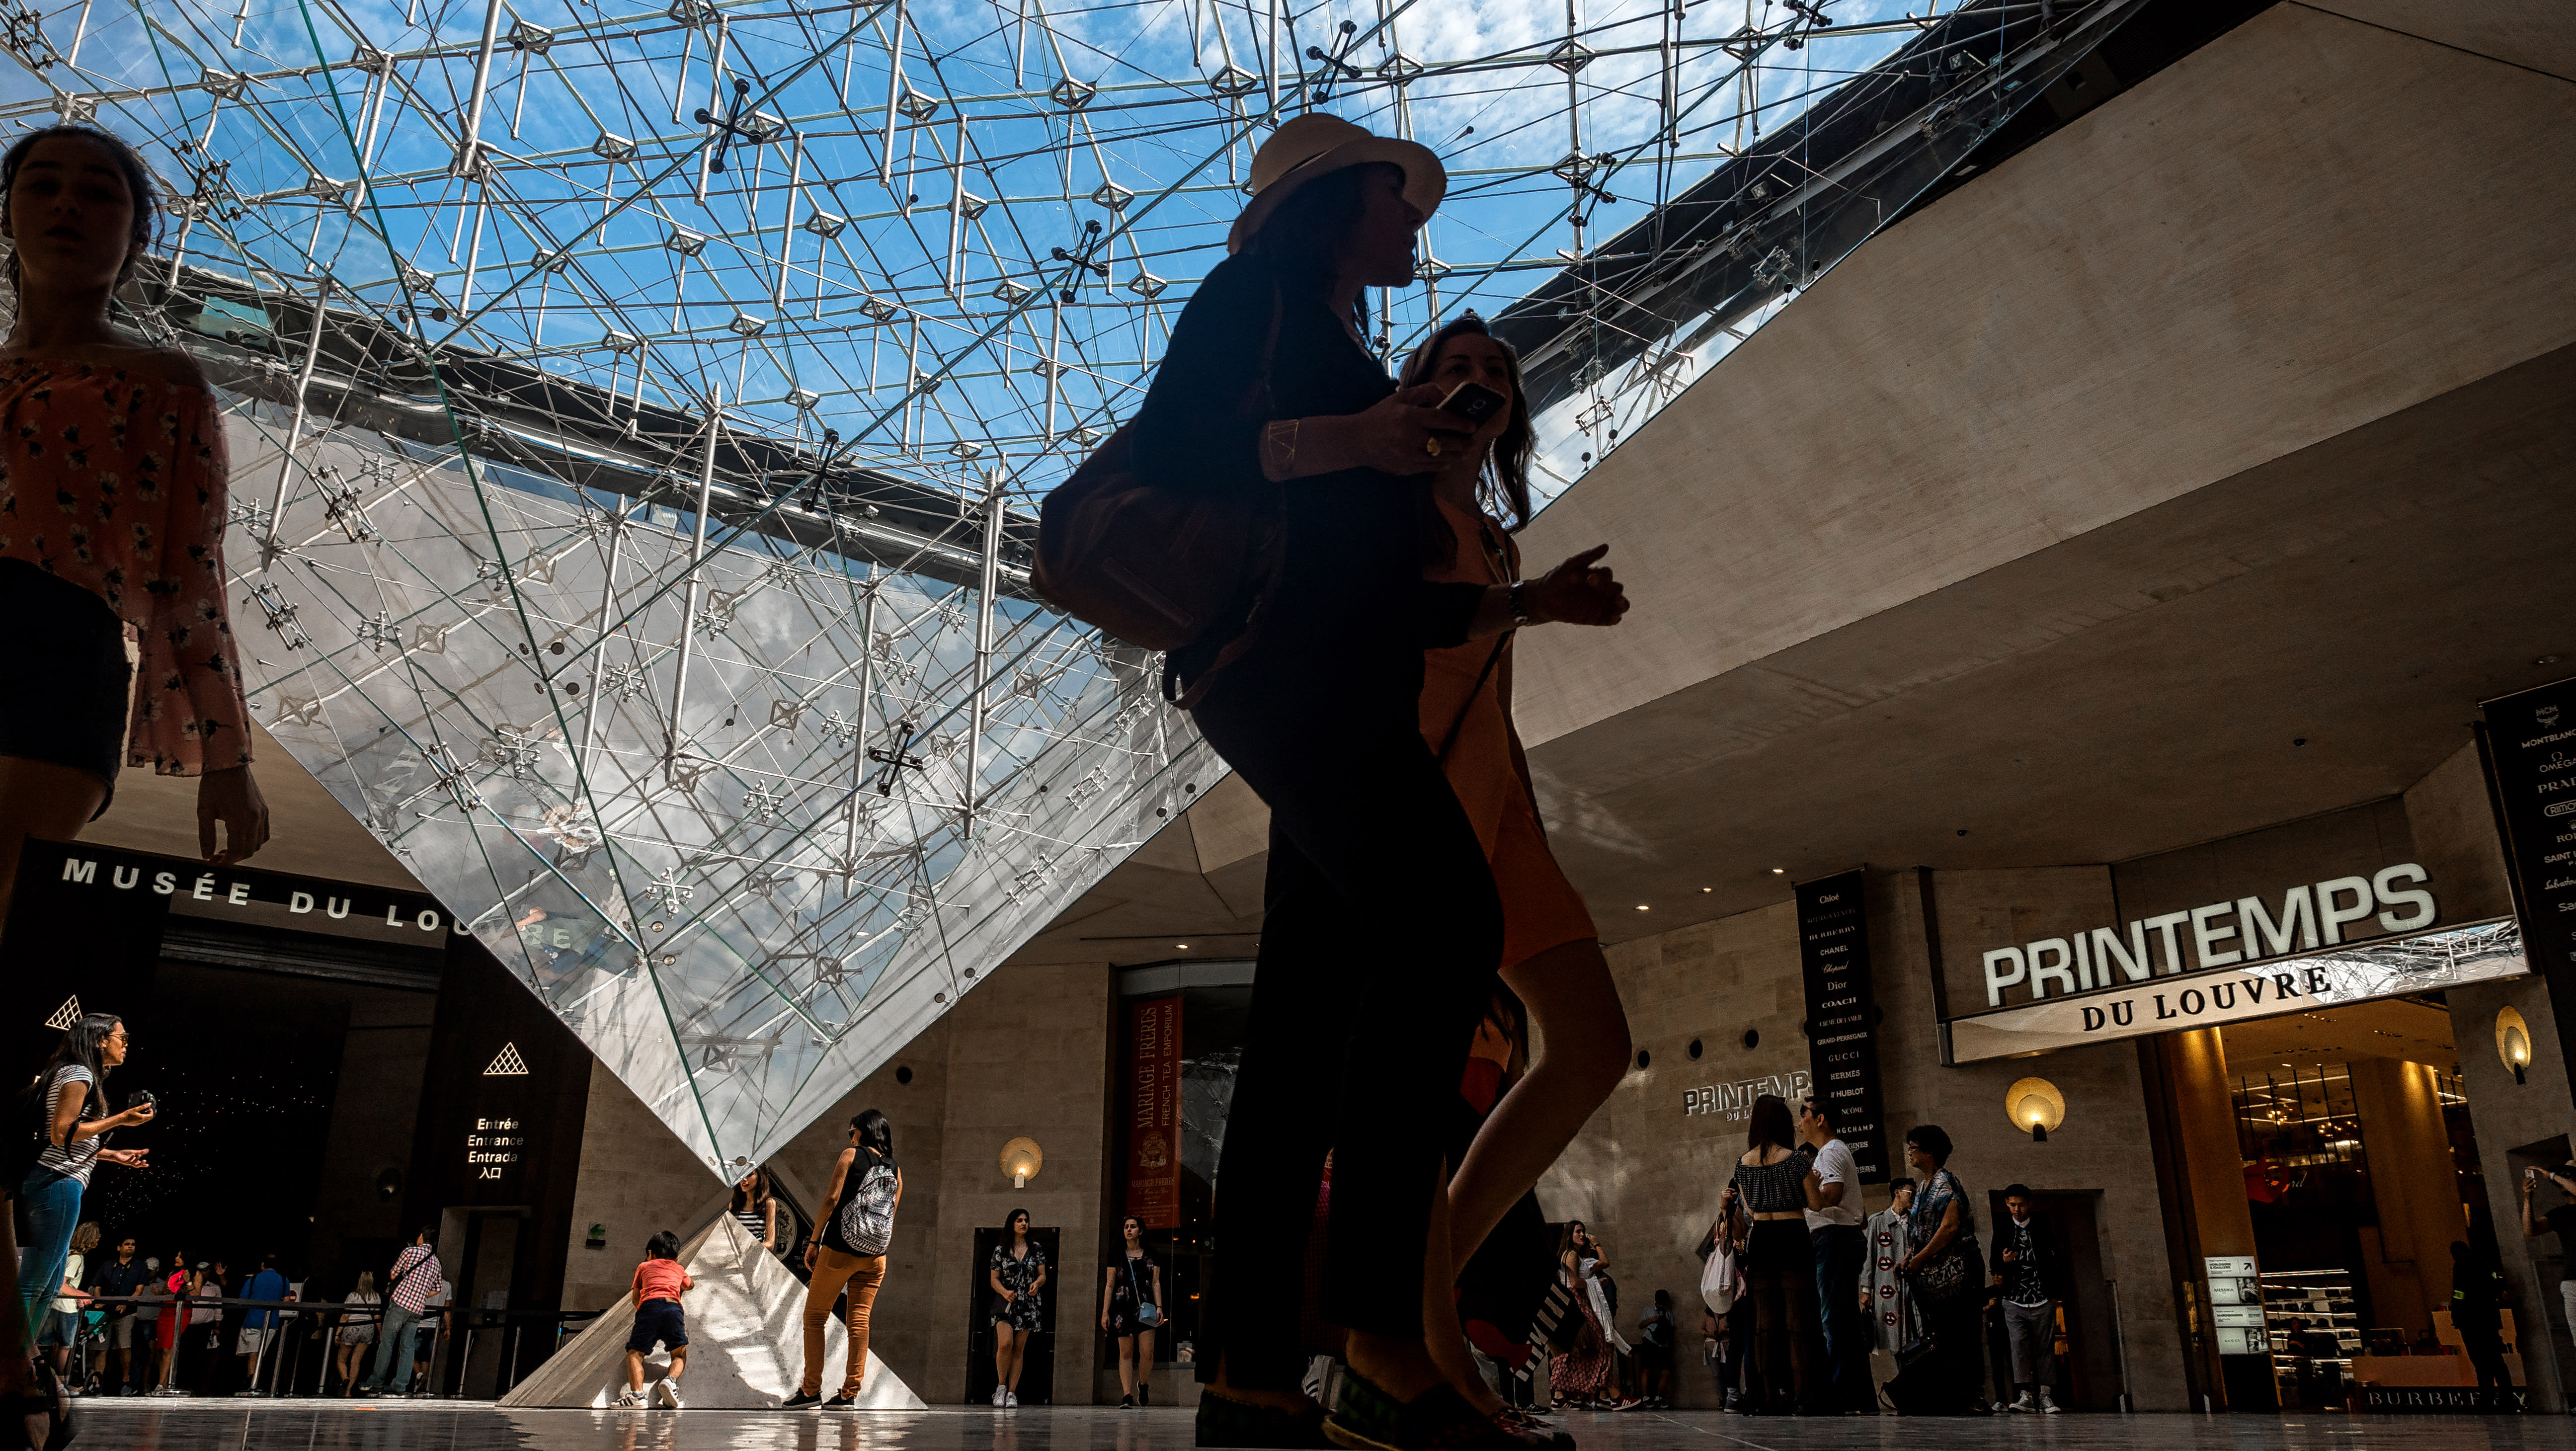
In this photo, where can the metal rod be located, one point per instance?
(715, 97)
(473, 140)
(950, 264)
(80, 33)
(787, 222)
(894, 93)
(607, 613)
(697, 576)
(680, 92)
(983, 641)
(473, 255)
(295, 427)
(859, 735)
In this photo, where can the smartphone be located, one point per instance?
(1473, 402)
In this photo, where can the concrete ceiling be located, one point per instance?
(2152, 488)
(310, 833)
(2399, 1028)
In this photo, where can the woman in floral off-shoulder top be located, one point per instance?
(112, 505)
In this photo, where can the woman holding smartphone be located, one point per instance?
(1268, 391)
(1551, 952)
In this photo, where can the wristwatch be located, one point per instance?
(1519, 598)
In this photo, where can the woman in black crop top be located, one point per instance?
(1773, 1188)
(1321, 716)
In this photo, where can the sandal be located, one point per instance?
(1225, 1421)
(1365, 1418)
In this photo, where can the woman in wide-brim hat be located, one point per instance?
(1382, 930)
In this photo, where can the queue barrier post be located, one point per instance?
(321, 1317)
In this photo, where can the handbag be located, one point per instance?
(1717, 1279)
(1948, 1277)
(1914, 1350)
(1155, 567)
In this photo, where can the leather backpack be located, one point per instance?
(1162, 568)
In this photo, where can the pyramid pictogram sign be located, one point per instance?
(65, 1016)
(509, 1064)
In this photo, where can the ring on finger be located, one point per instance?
(1431, 446)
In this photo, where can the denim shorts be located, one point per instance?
(64, 652)
(62, 1327)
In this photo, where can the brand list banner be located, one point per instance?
(2531, 752)
(1842, 1038)
(1154, 1112)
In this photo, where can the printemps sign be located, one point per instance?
(2383, 967)
(2221, 934)
(2253, 955)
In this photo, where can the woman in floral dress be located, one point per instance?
(1018, 1277)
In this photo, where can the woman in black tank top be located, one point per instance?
(1130, 1309)
(833, 1261)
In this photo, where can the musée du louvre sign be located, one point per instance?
(2229, 961)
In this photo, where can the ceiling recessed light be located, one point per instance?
(1182, 946)
(1708, 889)
(1641, 906)
(1779, 871)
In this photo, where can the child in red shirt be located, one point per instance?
(659, 1283)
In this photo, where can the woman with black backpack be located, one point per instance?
(1309, 686)
(853, 1231)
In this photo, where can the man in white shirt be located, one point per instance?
(1836, 1233)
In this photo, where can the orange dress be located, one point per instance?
(1541, 909)
(114, 481)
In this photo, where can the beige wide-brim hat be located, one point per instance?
(1315, 144)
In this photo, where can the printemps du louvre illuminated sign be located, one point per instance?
(2229, 961)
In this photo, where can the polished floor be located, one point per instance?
(453, 1426)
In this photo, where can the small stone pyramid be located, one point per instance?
(746, 1320)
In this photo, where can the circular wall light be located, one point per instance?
(2035, 1106)
(2513, 1042)
(1021, 1159)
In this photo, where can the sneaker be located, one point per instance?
(2024, 1403)
(842, 1402)
(668, 1393)
(1144, 1394)
(998, 1393)
(801, 1401)
(1365, 1418)
(627, 1402)
(1223, 1421)
(1010, 1400)
(2046, 1405)
(1127, 1402)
